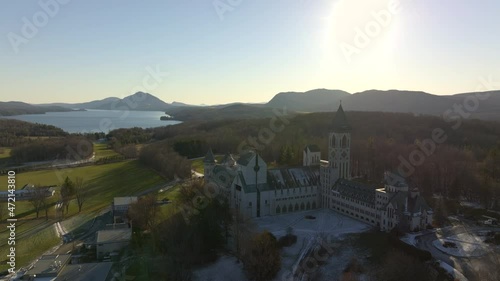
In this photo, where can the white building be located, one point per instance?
(28, 191)
(311, 156)
(277, 190)
(120, 208)
(256, 191)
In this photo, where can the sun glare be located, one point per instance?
(356, 30)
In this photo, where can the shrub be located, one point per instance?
(287, 240)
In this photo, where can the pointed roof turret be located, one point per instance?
(209, 158)
(340, 123)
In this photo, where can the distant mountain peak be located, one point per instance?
(313, 100)
(137, 101)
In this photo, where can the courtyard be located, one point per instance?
(307, 226)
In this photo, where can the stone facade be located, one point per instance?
(256, 191)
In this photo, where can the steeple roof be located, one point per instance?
(340, 123)
(209, 158)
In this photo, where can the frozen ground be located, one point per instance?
(467, 245)
(455, 273)
(474, 205)
(327, 223)
(225, 269)
(410, 238)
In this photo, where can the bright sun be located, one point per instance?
(361, 30)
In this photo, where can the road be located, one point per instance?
(51, 164)
(98, 223)
(471, 267)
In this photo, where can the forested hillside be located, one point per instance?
(15, 132)
(17, 108)
(39, 142)
(461, 165)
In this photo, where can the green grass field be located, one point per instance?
(104, 182)
(4, 156)
(197, 164)
(101, 150)
(4, 152)
(168, 210)
(29, 249)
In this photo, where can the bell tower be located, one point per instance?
(339, 157)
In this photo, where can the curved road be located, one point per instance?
(466, 265)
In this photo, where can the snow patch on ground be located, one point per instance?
(451, 270)
(344, 253)
(410, 238)
(327, 223)
(225, 268)
(474, 205)
(466, 245)
(61, 231)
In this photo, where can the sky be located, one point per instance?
(222, 51)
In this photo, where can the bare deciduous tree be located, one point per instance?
(81, 193)
(39, 199)
(262, 260)
(144, 212)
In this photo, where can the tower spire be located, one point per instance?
(340, 123)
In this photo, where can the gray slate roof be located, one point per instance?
(417, 204)
(252, 188)
(312, 148)
(355, 190)
(278, 179)
(246, 157)
(209, 158)
(293, 177)
(398, 200)
(113, 236)
(223, 175)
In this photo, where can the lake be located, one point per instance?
(92, 120)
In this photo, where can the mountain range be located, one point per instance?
(481, 105)
(138, 101)
(18, 108)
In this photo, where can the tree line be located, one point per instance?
(462, 166)
(71, 148)
(16, 132)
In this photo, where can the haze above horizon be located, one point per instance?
(223, 51)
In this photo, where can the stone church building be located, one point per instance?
(255, 191)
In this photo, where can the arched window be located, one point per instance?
(333, 141)
(278, 210)
(344, 141)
